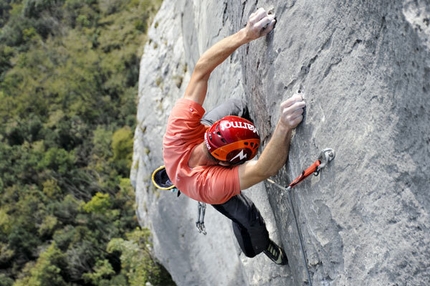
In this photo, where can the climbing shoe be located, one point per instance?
(276, 253)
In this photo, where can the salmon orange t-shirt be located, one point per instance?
(208, 184)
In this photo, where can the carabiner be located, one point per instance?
(326, 156)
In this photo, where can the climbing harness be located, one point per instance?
(161, 180)
(200, 223)
(325, 157)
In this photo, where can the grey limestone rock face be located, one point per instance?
(364, 70)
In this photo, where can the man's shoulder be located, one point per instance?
(185, 118)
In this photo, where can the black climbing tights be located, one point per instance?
(248, 225)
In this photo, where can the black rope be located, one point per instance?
(299, 233)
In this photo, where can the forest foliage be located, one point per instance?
(68, 86)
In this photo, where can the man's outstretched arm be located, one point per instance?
(276, 152)
(259, 24)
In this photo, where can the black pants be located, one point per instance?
(248, 225)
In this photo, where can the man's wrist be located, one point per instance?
(284, 129)
(243, 36)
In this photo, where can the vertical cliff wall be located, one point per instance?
(364, 68)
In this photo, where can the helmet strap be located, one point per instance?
(208, 154)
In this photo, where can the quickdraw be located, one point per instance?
(200, 223)
(325, 157)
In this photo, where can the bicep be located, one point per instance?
(197, 87)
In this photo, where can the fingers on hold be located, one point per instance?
(301, 104)
(262, 24)
(292, 114)
(272, 20)
(267, 22)
(284, 105)
(257, 15)
(298, 120)
(293, 121)
(299, 110)
(294, 109)
(297, 96)
(296, 117)
(291, 101)
(273, 23)
(261, 12)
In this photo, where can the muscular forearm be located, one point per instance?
(275, 154)
(215, 55)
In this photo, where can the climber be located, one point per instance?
(207, 156)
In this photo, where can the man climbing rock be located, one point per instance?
(208, 156)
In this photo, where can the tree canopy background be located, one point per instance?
(68, 85)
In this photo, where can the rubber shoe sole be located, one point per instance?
(276, 254)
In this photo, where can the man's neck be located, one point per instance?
(200, 157)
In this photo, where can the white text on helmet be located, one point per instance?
(237, 124)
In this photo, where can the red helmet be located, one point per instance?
(232, 139)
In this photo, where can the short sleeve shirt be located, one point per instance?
(209, 184)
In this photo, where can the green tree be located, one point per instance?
(136, 260)
(68, 83)
(122, 146)
(47, 270)
(102, 270)
(99, 204)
